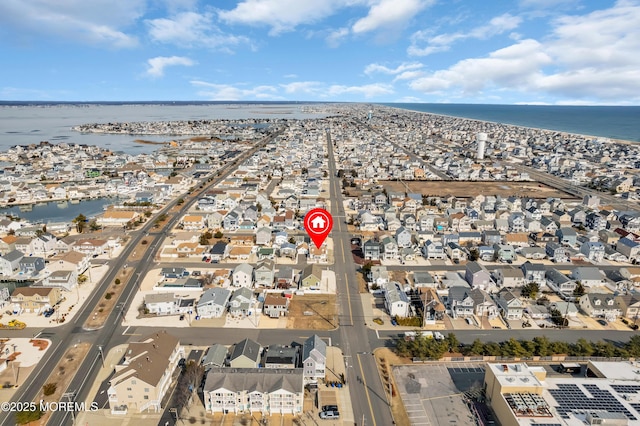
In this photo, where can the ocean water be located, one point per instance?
(615, 122)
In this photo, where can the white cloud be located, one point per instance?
(335, 37)
(98, 22)
(309, 88)
(228, 92)
(442, 42)
(377, 68)
(389, 14)
(513, 66)
(159, 63)
(282, 15)
(592, 57)
(368, 91)
(190, 29)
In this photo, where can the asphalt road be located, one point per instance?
(367, 396)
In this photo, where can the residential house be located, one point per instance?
(600, 305)
(31, 265)
(433, 250)
(264, 273)
(483, 304)
(242, 302)
(510, 305)
(629, 248)
(455, 252)
(311, 276)
(477, 276)
(35, 299)
(117, 218)
(534, 272)
(281, 356)
(275, 305)
(10, 263)
(505, 252)
(567, 236)
(264, 391)
(629, 305)
(390, 248)
(145, 373)
(556, 252)
(588, 276)
(213, 302)
(314, 359)
(243, 275)
(193, 222)
(510, 277)
(378, 275)
(560, 283)
(396, 301)
(372, 250)
(245, 354)
(403, 237)
(216, 357)
(161, 303)
(423, 279)
(263, 236)
(593, 250)
(64, 279)
(460, 302)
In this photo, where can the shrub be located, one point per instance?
(49, 389)
(107, 296)
(117, 281)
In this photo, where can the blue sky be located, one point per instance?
(576, 52)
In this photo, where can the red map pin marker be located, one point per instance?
(318, 224)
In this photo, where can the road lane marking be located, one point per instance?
(366, 390)
(349, 298)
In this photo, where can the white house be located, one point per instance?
(395, 300)
(243, 275)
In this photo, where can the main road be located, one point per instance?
(367, 393)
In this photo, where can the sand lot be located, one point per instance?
(472, 189)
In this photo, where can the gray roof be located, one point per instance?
(314, 342)
(243, 267)
(13, 255)
(255, 379)
(159, 297)
(280, 354)
(248, 348)
(216, 356)
(218, 296)
(588, 273)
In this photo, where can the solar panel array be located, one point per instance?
(571, 398)
(626, 388)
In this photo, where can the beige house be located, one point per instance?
(34, 299)
(143, 376)
(117, 218)
(193, 222)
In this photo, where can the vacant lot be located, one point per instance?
(320, 312)
(472, 189)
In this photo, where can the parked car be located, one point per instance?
(329, 415)
(49, 312)
(602, 322)
(394, 322)
(329, 408)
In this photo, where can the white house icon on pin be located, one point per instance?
(318, 222)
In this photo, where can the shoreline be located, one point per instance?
(611, 140)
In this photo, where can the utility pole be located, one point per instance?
(101, 355)
(70, 397)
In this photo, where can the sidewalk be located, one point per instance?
(27, 359)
